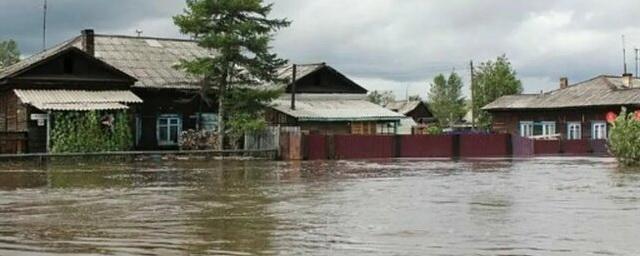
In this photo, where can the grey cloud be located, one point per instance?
(387, 43)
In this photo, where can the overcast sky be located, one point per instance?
(394, 45)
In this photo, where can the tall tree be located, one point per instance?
(9, 53)
(493, 80)
(445, 99)
(381, 98)
(238, 33)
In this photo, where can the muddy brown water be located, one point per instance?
(541, 206)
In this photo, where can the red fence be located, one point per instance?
(485, 145)
(426, 146)
(364, 146)
(318, 147)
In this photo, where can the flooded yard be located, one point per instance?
(541, 206)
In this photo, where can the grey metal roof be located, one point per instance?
(328, 108)
(599, 91)
(403, 106)
(150, 60)
(77, 99)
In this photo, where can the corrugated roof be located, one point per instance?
(76, 99)
(599, 91)
(335, 108)
(150, 60)
(404, 106)
(83, 106)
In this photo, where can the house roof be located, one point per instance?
(304, 70)
(150, 60)
(602, 90)
(39, 58)
(403, 106)
(334, 107)
(79, 100)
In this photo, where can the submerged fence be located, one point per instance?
(317, 147)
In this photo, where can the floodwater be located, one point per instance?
(539, 206)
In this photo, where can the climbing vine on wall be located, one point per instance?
(90, 131)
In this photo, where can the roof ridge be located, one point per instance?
(147, 38)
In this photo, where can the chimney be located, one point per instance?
(88, 41)
(627, 80)
(564, 82)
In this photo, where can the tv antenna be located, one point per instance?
(44, 26)
(624, 55)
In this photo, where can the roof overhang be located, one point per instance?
(77, 100)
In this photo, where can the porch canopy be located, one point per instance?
(77, 100)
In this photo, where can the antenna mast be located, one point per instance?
(44, 26)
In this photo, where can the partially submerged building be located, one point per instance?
(577, 111)
(325, 101)
(104, 72)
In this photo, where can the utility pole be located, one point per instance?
(293, 87)
(44, 26)
(473, 98)
(636, 49)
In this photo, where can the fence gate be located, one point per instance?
(267, 139)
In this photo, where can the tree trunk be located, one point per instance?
(221, 113)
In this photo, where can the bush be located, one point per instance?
(84, 132)
(624, 139)
(434, 129)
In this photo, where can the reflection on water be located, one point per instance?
(557, 206)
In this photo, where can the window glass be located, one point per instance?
(168, 129)
(599, 130)
(574, 131)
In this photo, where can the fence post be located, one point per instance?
(455, 142)
(397, 151)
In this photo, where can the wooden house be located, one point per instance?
(575, 111)
(59, 79)
(325, 101)
(142, 65)
(416, 109)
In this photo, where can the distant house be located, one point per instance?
(418, 110)
(103, 72)
(575, 111)
(327, 102)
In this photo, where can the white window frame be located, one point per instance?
(526, 128)
(170, 118)
(548, 128)
(574, 130)
(595, 133)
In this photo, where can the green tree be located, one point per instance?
(624, 139)
(381, 97)
(246, 107)
(239, 34)
(445, 99)
(493, 80)
(9, 53)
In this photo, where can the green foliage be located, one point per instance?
(624, 139)
(247, 106)
(9, 53)
(434, 129)
(83, 132)
(493, 80)
(445, 99)
(239, 32)
(381, 97)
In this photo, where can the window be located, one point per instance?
(168, 129)
(599, 130)
(574, 131)
(385, 128)
(526, 128)
(548, 128)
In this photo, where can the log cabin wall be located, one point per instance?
(509, 121)
(184, 104)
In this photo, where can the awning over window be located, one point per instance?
(77, 100)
